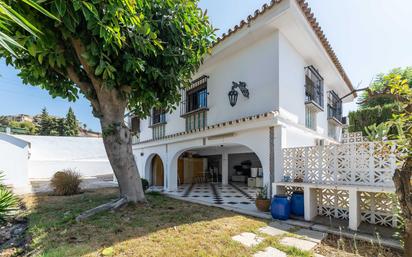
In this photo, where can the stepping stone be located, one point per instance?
(298, 243)
(311, 235)
(271, 231)
(248, 239)
(270, 252)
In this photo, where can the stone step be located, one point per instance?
(271, 231)
(270, 252)
(301, 244)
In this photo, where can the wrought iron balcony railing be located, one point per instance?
(334, 107)
(157, 118)
(313, 88)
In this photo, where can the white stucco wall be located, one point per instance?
(292, 87)
(291, 81)
(14, 154)
(50, 154)
(257, 66)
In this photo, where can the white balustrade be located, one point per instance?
(357, 163)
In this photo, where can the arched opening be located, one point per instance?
(157, 171)
(229, 163)
(228, 174)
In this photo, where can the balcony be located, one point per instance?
(194, 98)
(313, 89)
(157, 118)
(195, 102)
(334, 108)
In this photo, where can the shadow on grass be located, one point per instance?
(161, 227)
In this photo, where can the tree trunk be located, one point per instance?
(408, 238)
(402, 181)
(118, 143)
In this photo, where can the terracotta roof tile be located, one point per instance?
(310, 17)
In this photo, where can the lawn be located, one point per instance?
(162, 227)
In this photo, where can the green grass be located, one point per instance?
(162, 227)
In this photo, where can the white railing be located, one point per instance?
(354, 163)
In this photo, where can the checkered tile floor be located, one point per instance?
(234, 195)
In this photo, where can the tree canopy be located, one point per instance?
(119, 54)
(379, 108)
(380, 82)
(144, 50)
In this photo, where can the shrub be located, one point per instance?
(361, 119)
(66, 182)
(145, 184)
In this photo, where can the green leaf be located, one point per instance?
(7, 47)
(91, 8)
(68, 22)
(18, 19)
(40, 58)
(60, 6)
(99, 70)
(32, 49)
(40, 9)
(9, 40)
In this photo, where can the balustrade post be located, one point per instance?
(310, 203)
(354, 209)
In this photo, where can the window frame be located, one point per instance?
(334, 106)
(194, 96)
(310, 119)
(157, 117)
(314, 87)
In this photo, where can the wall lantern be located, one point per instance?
(233, 94)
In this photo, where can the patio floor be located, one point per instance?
(234, 195)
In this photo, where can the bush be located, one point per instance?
(145, 184)
(66, 182)
(363, 118)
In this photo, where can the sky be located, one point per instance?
(368, 36)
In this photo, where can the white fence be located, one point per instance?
(357, 163)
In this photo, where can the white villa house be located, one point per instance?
(271, 83)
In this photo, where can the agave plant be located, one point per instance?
(8, 201)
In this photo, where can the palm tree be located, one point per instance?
(8, 15)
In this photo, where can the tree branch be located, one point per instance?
(81, 49)
(85, 87)
(383, 93)
(113, 205)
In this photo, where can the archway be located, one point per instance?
(157, 171)
(220, 164)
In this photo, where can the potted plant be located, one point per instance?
(262, 200)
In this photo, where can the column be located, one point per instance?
(278, 143)
(310, 203)
(354, 209)
(225, 168)
(171, 171)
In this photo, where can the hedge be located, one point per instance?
(365, 117)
